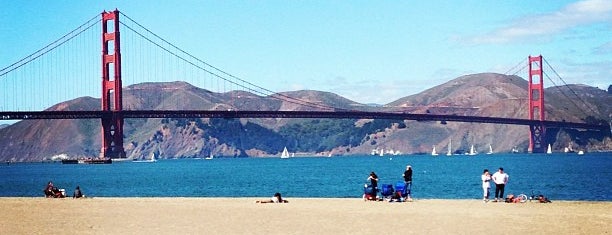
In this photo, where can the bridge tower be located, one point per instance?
(536, 105)
(112, 98)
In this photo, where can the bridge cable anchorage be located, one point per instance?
(568, 87)
(288, 98)
(21, 62)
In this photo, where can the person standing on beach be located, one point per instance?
(373, 178)
(500, 179)
(408, 180)
(486, 185)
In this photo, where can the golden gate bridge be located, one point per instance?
(58, 74)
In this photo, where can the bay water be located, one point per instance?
(557, 176)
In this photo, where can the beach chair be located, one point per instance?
(369, 193)
(386, 191)
(400, 187)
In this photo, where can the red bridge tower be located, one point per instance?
(112, 124)
(536, 105)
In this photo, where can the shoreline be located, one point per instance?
(227, 215)
(300, 198)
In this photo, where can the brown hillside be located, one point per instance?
(487, 94)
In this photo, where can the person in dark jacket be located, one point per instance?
(408, 180)
(77, 193)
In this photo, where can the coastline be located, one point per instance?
(186, 215)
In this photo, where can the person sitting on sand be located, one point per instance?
(275, 199)
(49, 190)
(397, 197)
(77, 193)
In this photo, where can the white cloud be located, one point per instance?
(571, 16)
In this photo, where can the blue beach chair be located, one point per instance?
(400, 186)
(386, 191)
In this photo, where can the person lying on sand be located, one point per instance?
(275, 199)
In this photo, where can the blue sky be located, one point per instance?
(367, 51)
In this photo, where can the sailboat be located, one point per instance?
(490, 150)
(210, 157)
(285, 153)
(549, 150)
(472, 151)
(433, 152)
(569, 148)
(449, 151)
(152, 159)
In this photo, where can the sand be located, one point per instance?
(299, 216)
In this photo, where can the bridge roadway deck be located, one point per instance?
(27, 115)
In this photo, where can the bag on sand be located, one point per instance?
(543, 199)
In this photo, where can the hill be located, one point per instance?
(477, 94)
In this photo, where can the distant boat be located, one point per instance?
(472, 151)
(490, 150)
(580, 152)
(285, 153)
(449, 151)
(433, 152)
(88, 161)
(121, 160)
(152, 159)
(568, 149)
(549, 150)
(515, 149)
(382, 152)
(210, 157)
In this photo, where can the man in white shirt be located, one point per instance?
(500, 179)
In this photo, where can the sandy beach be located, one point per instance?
(299, 216)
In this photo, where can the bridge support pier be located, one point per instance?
(536, 105)
(536, 138)
(112, 141)
(112, 98)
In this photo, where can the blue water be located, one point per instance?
(558, 176)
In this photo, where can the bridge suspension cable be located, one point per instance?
(518, 68)
(216, 72)
(51, 46)
(569, 88)
(62, 70)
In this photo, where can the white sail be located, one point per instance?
(472, 151)
(211, 156)
(433, 152)
(490, 150)
(449, 151)
(549, 150)
(152, 159)
(285, 153)
(382, 152)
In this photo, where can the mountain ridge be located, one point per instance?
(485, 94)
